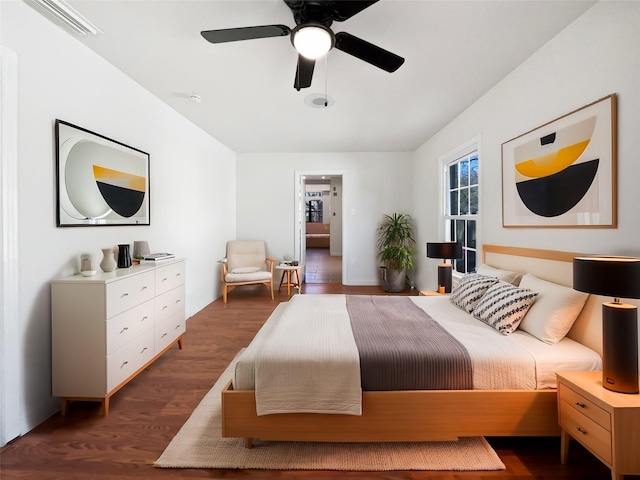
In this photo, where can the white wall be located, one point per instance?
(335, 194)
(373, 184)
(597, 55)
(192, 208)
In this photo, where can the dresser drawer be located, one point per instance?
(169, 277)
(123, 328)
(124, 362)
(169, 304)
(168, 331)
(129, 292)
(585, 406)
(586, 431)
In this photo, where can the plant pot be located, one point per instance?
(394, 280)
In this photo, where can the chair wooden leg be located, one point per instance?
(271, 288)
(224, 293)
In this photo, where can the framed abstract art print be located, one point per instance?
(100, 181)
(563, 173)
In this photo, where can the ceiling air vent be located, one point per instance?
(68, 16)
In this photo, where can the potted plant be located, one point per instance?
(396, 250)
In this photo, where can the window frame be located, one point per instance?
(458, 155)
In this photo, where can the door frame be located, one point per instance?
(299, 224)
(11, 410)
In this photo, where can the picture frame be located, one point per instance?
(563, 173)
(99, 181)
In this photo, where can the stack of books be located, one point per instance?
(157, 257)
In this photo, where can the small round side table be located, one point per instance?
(293, 276)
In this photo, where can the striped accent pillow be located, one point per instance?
(504, 306)
(470, 289)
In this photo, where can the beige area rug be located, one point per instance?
(198, 444)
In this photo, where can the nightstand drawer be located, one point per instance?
(584, 406)
(586, 431)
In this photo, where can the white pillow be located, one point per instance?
(245, 270)
(505, 275)
(555, 310)
(469, 289)
(504, 306)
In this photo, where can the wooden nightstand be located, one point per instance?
(430, 293)
(606, 423)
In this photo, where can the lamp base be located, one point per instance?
(444, 277)
(620, 347)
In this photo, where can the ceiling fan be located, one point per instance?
(312, 37)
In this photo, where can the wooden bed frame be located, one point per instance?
(427, 415)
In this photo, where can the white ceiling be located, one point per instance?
(454, 52)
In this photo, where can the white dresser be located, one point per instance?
(109, 327)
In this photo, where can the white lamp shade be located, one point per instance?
(312, 41)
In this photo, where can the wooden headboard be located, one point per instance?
(557, 267)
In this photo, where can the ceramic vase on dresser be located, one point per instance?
(108, 263)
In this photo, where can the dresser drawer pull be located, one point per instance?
(165, 307)
(164, 335)
(584, 432)
(144, 288)
(124, 329)
(124, 295)
(144, 318)
(164, 279)
(123, 364)
(178, 301)
(144, 350)
(177, 327)
(178, 274)
(581, 405)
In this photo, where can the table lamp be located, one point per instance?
(446, 251)
(617, 277)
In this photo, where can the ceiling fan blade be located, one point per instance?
(304, 73)
(344, 10)
(368, 52)
(245, 33)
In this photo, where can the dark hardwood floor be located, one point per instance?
(146, 414)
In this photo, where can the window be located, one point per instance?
(462, 206)
(313, 206)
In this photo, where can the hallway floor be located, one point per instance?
(321, 267)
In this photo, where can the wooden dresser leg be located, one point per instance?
(564, 446)
(180, 342)
(105, 406)
(64, 406)
(616, 476)
(248, 442)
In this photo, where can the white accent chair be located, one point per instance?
(246, 263)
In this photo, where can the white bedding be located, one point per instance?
(517, 361)
(566, 355)
(319, 372)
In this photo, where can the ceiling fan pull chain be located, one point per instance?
(326, 74)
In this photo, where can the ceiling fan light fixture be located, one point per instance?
(312, 40)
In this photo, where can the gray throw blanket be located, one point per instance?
(402, 348)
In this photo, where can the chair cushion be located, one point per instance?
(246, 253)
(245, 270)
(259, 276)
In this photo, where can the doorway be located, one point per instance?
(319, 226)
